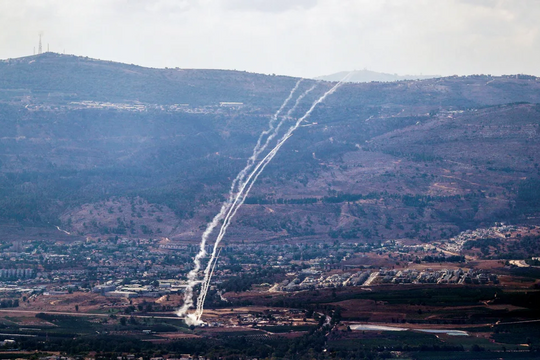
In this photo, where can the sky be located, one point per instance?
(288, 37)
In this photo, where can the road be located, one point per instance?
(33, 312)
(516, 322)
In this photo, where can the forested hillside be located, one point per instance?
(107, 149)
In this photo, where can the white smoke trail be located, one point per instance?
(258, 149)
(243, 194)
(288, 115)
(214, 266)
(225, 225)
(226, 221)
(192, 275)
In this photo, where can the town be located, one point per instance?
(126, 267)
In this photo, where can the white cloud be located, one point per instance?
(269, 6)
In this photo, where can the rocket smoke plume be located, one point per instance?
(231, 207)
(245, 191)
(192, 275)
(236, 204)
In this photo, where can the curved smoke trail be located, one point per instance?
(192, 275)
(242, 186)
(241, 196)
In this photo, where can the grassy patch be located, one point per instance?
(439, 296)
(518, 334)
(395, 340)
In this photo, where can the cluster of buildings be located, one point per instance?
(126, 267)
(136, 289)
(16, 273)
(383, 276)
(131, 267)
(269, 318)
(136, 107)
(108, 105)
(444, 276)
(332, 281)
(456, 243)
(86, 264)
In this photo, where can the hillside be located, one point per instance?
(60, 79)
(105, 149)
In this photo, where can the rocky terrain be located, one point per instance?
(106, 149)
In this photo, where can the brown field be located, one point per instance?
(87, 302)
(174, 336)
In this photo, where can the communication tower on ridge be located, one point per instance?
(40, 49)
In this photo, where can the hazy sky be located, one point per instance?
(292, 37)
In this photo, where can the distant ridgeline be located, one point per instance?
(361, 76)
(102, 148)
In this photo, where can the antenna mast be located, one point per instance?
(40, 49)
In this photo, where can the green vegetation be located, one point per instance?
(478, 354)
(9, 303)
(439, 296)
(397, 341)
(529, 195)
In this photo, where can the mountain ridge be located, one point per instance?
(405, 160)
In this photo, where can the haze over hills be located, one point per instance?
(104, 149)
(361, 76)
